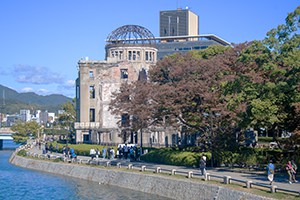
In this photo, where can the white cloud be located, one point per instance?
(27, 89)
(36, 75)
(43, 91)
(70, 83)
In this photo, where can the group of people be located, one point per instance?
(131, 152)
(69, 153)
(290, 167)
(106, 153)
(123, 152)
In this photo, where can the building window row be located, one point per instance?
(149, 56)
(190, 48)
(133, 55)
(117, 54)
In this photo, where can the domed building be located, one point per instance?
(130, 51)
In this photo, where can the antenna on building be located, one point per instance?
(177, 4)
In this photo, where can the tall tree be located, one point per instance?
(267, 81)
(67, 118)
(133, 100)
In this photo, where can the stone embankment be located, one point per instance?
(163, 186)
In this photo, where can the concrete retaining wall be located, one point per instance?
(163, 186)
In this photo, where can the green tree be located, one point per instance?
(267, 80)
(25, 129)
(67, 119)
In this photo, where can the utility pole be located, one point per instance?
(2, 107)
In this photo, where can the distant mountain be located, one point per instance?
(13, 101)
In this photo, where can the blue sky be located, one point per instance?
(41, 41)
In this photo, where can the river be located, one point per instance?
(19, 183)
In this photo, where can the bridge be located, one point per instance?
(5, 134)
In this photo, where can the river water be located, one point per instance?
(23, 184)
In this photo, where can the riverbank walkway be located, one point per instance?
(256, 177)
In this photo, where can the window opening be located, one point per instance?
(124, 74)
(91, 74)
(134, 55)
(92, 115)
(86, 138)
(120, 55)
(147, 55)
(92, 92)
(130, 55)
(138, 55)
(125, 120)
(77, 92)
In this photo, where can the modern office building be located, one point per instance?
(180, 22)
(179, 33)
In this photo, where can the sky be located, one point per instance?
(41, 41)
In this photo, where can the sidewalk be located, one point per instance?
(279, 181)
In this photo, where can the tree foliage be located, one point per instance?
(67, 118)
(26, 128)
(213, 91)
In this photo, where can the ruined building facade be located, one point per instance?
(127, 57)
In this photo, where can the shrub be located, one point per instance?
(173, 157)
(22, 153)
(58, 159)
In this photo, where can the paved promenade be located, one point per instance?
(281, 180)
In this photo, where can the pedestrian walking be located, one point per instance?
(112, 152)
(108, 152)
(271, 171)
(92, 153)
(202, 164)
(97, 153)
(51, 148)
(104, 153)
(294, 165)
(290, 170)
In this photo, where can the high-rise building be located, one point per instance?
(180, 22)
(25, 115)
(179, 33)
